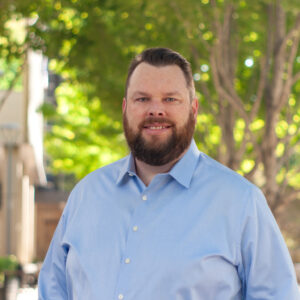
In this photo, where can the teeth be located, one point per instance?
(156, 127)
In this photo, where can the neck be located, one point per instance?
(146, 172)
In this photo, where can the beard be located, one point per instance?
(156, 152)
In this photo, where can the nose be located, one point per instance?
(156, 109)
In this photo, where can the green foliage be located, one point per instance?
(82, 137)
(91, 42)
(9, 71)
(8, 263)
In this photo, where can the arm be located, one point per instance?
(52, 278)
(266, 270)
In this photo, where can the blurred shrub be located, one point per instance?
(7, 263)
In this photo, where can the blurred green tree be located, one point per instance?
(246, 63)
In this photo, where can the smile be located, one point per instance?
(157, 127)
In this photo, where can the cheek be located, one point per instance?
(181, 117)
(133, 119)
(134, 114)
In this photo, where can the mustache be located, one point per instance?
(153, 120)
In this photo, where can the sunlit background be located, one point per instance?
(63, 68)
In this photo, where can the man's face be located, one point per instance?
(158, 115)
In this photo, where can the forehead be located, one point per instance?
(146, 76)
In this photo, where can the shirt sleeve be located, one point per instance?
(266, 270)
(52, 278)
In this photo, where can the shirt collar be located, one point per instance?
(182, 171)
(128, 168)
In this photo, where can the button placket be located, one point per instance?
(131, 244)
(127, 260)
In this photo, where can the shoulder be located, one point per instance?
(97, 181)
(225, 186)
(220, 174)
(106, 173)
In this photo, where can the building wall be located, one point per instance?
(47, 217)
(2, 215)
(37, 82)
(13, 112)
(22, 242)
(26, 249)
(14, 196)
(26, 167)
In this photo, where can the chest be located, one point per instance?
(165, 243)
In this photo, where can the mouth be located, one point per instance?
(157, 127)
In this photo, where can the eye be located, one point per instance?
(141, 99)
(170, 99)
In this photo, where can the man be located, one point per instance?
(167, 222)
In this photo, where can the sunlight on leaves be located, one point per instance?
(281, 128)
(257, 125)
(247, 165)
(280, 149)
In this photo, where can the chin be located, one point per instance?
(156, 140)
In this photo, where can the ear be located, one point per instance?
(195, 106)
(124, 105)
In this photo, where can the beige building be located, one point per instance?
(21, 160)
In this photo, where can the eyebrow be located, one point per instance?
(140, 93)
(173, 93)
(145, 94)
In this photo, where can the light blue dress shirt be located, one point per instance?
(199, 232)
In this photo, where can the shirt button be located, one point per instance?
(130, 174)
(127, 260)
(144, 197)
(135, 228)
(120, 296)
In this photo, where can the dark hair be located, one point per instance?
(162, 57)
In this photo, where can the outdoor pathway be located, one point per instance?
(14, 292)
(27, 294)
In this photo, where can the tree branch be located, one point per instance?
(289, 35)
(279, 55)
(296, 78)
(260, 89)
(288, 83)
(234, 101)
(186, 24)
(11, 86)
(284, 198)
(292, 196)
(288, 152)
